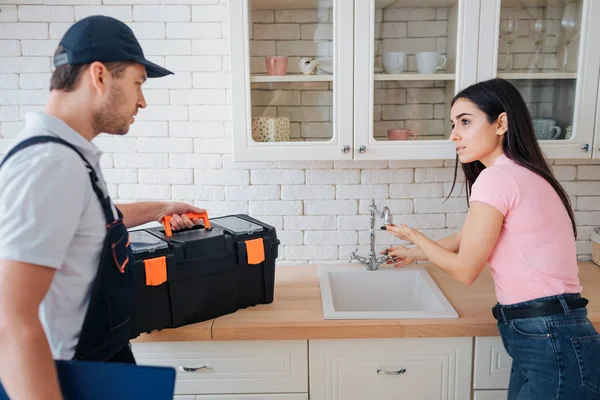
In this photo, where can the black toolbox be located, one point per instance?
(217, 268)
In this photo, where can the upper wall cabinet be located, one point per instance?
(596, 152)
(373, 79)
(548, 49)
(411, 58)
(292, 79)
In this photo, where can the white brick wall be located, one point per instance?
(180, 147)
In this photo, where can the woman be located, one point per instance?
(520, 222)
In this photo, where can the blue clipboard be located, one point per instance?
(93, 380)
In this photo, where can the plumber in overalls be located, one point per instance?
(66, 276)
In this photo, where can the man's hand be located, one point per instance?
(135, 214)
(177, 212)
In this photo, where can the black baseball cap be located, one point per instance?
(104, 39)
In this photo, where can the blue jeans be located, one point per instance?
(554, 357)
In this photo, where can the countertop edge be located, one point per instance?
(242, 327)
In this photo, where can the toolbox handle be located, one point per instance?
(167, 221)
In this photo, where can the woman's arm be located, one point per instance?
(478, 238)
(450, 242)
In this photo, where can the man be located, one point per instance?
(65, 279)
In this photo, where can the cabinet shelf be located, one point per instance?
(289, 4)
(291, 78)
(316, 4)
(378, 77)
(537, 75)
(415, 77)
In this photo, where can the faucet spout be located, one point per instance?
(386, 215)
(372, 262)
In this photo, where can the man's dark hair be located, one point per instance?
(66, 77)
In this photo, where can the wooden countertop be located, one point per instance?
(296, 312)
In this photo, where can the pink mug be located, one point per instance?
(276, 65)
(401, 134)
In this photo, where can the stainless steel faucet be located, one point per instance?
(373, 262)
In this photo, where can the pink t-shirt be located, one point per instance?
(535, 255)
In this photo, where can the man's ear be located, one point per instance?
(501, 124)
(98, 74)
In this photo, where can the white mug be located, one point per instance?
(394, 62)
(428, 62)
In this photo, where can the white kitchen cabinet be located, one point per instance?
(344, 369)
(490, 395)
(385, 369)
(314, 110)
(292, 396)
(231, 367)
(491, 368)
(289, 396)
(596, 150)
(557, 76)
(413, 100)
(345, 111)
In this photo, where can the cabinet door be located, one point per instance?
(231, 367)
(596, 151)
(291, 396)
(291, 79)
(490, 395)
(388, 369)
(548, 49)
(411, 58)
(492, 365)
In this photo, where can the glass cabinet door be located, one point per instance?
(545, 48)
(411, 58)
(292, 70)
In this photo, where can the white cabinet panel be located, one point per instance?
(231, 367)
(294, 396)
(596, 149)
(490, 395)
(420, 369)
(492, 364)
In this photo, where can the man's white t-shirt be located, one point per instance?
(50, 216)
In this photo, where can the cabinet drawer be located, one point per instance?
(419, 369)
(492, 364)
(295, 396)
(490, 395)
(231, 367)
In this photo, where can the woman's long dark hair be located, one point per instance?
(494, 97)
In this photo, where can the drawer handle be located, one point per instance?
(194, 369)
(398, 372)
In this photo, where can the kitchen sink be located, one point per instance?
(355, 293)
